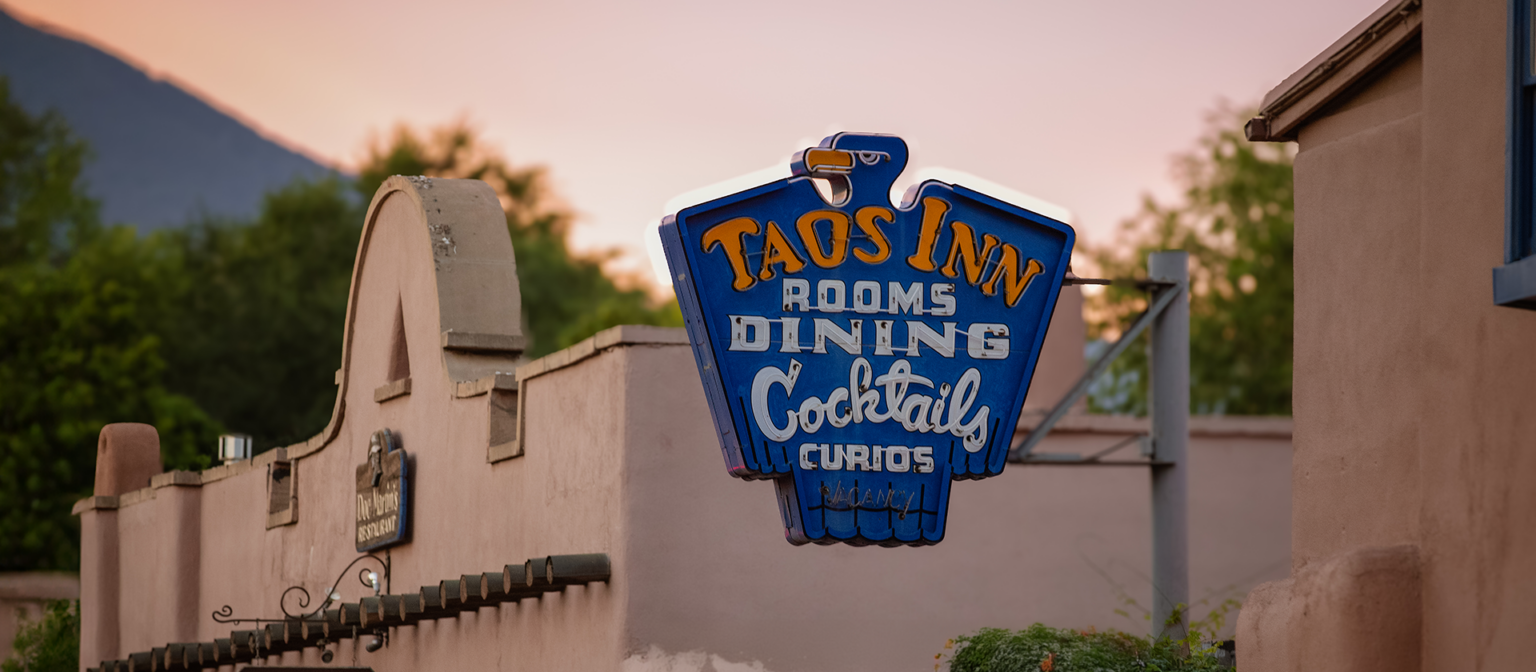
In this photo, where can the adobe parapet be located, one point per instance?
(619, 336)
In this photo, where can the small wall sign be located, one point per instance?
(861, 355)
(382, 502)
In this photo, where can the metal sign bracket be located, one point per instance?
(1023, 450)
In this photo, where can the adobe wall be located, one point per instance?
(1415, 515)
(1358, 311)
(1477, 369)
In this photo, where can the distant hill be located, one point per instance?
(161, 154)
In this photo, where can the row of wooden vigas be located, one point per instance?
(374, 615)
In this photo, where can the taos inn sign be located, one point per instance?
(864, 356)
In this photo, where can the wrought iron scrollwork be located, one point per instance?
(226, 614)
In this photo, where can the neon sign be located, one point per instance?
(864, 356)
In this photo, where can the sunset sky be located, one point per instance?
(632, 103)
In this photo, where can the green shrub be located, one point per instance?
(1044, 649)
(51, 644)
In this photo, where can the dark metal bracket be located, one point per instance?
(226, 614)
(1072, 279)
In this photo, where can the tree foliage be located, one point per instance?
(42, 212)
(1236, 220)
(78, 347)
(1044, 649)
(50, 644)
(254, 311)
(80, 353)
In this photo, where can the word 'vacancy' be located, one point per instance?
(859, 457)
(969, 256)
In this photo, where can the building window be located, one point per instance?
(1514, 283)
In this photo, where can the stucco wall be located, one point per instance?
(1413, 390)
(1358, 310)
(1477, 369)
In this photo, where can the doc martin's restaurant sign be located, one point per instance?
(382, 494)
(865, 356)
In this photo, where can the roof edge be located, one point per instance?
(1349, 59)
(624, 334)
(1213, 426)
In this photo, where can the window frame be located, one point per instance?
(1514, 283)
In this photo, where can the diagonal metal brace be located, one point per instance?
(1165, 294)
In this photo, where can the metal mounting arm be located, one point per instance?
(1165, 293)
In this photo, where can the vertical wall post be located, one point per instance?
(127, 457)
(1169, 368)
(99, 589)
(178, 512)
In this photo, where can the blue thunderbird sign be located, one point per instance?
(864, 356)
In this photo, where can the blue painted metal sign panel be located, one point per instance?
(865, 356)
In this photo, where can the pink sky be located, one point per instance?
(632, 103)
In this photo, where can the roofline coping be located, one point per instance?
(1348, 60)
(624, 334)
(194, 479)
(39, 585)
(94, 503)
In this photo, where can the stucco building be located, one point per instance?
(1414, 477)
(573, 512)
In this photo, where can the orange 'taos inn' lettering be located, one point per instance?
(864, 356)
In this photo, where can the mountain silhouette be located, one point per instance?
(159, 154)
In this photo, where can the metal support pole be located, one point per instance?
(1169, 369)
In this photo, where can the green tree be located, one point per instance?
(43, 213)
(1236, 220)
(566, 296)
(253, 313)
(77, 346)
(79, 351)
(51, 644)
